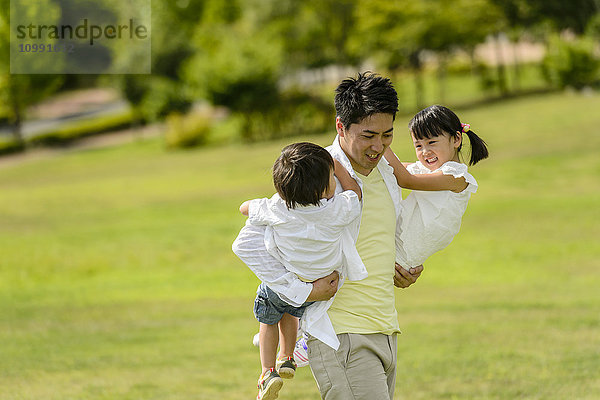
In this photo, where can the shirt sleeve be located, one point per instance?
(347, 207)
(258, 211)
(459, 170)
(250, 247)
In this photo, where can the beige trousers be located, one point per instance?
(363, 367)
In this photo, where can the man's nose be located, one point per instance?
(377, 145)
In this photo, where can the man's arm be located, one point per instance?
(249, 246)
(404, 278)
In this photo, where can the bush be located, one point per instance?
(10, 146)
(571, 63)
(76, 130)
(488, 78)
(295, 113)
(185, 131)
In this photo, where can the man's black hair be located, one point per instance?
(361, 97)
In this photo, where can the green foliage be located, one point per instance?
(10, 146)
(80, 129)
(19, 91)
(185, 131)
(593, 27)
(235, 67)
(313, 33)
(571, 62)
(154, 96)
(296, 113)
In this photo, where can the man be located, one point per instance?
(363, 312)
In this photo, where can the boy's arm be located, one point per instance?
(347, 182)
(435, 181)
(250, 247)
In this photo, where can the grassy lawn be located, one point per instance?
(117, 280)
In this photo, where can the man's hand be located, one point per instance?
(404, 278)
(324, 288)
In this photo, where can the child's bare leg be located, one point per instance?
(268, 338)
(288, 332)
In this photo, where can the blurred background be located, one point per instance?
(119, 195)
(224, 71)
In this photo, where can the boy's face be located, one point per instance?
(365, 142)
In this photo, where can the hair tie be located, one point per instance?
(466, 128)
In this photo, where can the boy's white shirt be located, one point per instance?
(312, 242)
(250, 247)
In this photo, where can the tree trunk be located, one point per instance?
(441, 74)
(415, 62)
(17, 116)
(517, 66)
(500, 68)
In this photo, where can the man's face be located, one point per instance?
(365, 142)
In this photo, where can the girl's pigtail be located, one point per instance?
(479, 149)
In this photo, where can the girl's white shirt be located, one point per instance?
(429, 220)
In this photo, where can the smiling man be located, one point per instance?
(363, 312)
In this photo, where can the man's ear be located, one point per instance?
(339, 127)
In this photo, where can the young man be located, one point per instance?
(363, 312)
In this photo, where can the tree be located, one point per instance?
(155, 96)
(312, 33)
(18, 91)
(397, 33)
(235, 64)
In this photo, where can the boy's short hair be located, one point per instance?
(301, 174)
(368, 94)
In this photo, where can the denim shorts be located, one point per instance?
(269, 308)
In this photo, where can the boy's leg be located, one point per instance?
(364, 367)
(268, 337)
(288, 332)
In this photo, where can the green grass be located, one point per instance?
(117, 280)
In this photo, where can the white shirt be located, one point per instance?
(312, 242)
(430, 220)
(250, 247)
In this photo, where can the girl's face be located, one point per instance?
(435, 151)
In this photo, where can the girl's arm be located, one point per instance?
(244, 207)
(435, 181)
(347, 182)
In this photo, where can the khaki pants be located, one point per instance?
(363, 367)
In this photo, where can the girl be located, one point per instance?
(430, 220)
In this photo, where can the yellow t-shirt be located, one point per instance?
(368, 306)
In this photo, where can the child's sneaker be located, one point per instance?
(301, 352)
(286, 367)
(269, 385)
